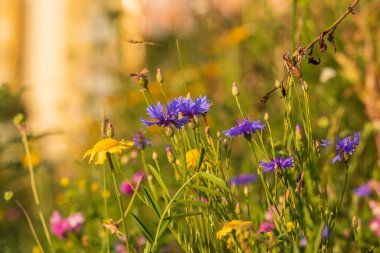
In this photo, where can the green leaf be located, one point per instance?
(164, 227)
(216, 180)
(143, 227)
(207, 190)
(159, 180)
(151, 201)
(182, 215)
(200, 159)
(192, 203)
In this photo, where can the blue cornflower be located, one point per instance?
(140, 141)
(244, 127)
(243, 179)
(190, 108)
(363, 190)
(277, 163)
(345, 147)
(168, 118)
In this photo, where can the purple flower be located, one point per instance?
(75, 221)
(345, 147)
(61, 226)
(119, 248)
(244, 126)
(325, 232)
(363, 190)
(58, 225)
(190, 108)
(139, 176)
(278, 163)
(168, 118)
(265, 226)
(243, 179)
(140, 141)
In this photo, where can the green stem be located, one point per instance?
(30, 225)
(115, 183)
(343, 191)
(34, 190)
(105, 206)
(238, 104)
(168, 207)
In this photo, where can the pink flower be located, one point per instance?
(126, 188)
(58, 226)
(374, 225)
(75, 221)
(265, 227)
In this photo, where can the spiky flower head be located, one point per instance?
(244, 127)
(277, 163)
(166, 118)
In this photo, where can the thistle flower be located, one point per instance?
(345, 147)
(244, 127)
(230, 226)
(190, 108)
(243, 179)
(140, 141)
(110, 145)
(325, 232)
(166, 119)
(363, 190)
(277, 163)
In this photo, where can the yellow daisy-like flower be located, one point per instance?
(98, 153)
(192, 157)
(230, 226)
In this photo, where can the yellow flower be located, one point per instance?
(64, 181)
(34, 157)
(36, 249)
(290, 226)
(99, 151)
(230, 226)
(95, 187)
(192, 157)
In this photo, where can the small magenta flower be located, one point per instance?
(61, 226)
(345, 147)
(243, 179)
(126, 187)
(75, 221)
(265, 227)
(244, 127)
(363, 190)
(140, 141)
(190, 108)
(161, 118)
(277, 163)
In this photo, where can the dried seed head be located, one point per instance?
(159, 76)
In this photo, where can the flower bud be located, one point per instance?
(159, 76)
(169, 131)
(355, 221)
(266, 116)
(8, 195)
(155, 156)
(298, 132)
(19, 119)
(169, 154)
(238, 209)
(246, 191)
(109, 130)
(235, 90)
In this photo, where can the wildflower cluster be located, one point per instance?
(60, 226)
